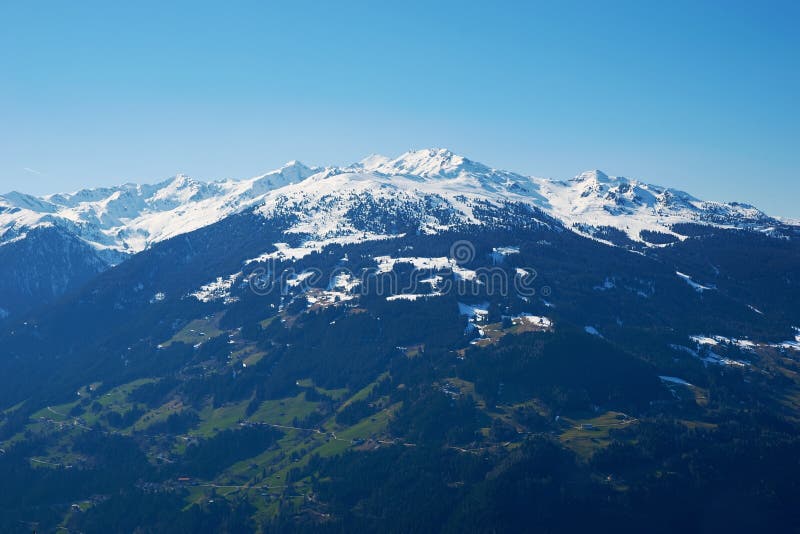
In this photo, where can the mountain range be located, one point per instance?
(418, 344)
(432, 190)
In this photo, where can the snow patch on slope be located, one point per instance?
(219, 289)
(694, 285)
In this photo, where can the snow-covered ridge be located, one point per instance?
(595, 199)
(431, 189)
(129, 217)
(442, 189)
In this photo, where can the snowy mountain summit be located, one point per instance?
(430, 190)
(434, 189)
(126, 219)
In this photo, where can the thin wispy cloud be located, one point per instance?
(33, 171)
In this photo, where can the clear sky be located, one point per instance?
(695, 95)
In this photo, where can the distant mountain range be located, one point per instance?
(430, 190)
(126, 219)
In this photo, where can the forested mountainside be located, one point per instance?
(372, 355)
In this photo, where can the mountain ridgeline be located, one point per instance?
(413, 344)
(426, 190)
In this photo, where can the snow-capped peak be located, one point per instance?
(595, 175)
(372, 162)
(29, 202)
(431, 163)
(294, 171)
(291, 172)
(178, 190)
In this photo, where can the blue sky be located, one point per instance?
(699, 96)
